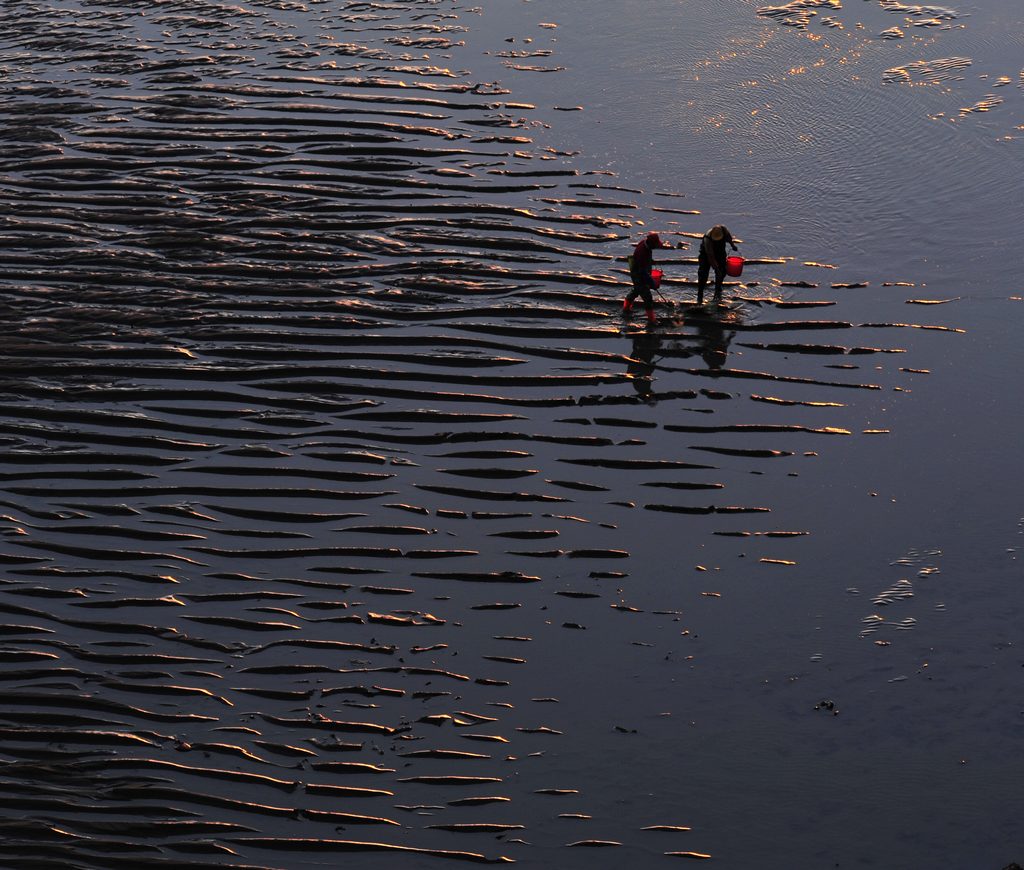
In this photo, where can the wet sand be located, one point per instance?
(312, 338)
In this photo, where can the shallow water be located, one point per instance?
(346, 520)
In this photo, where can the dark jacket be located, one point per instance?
(709, 246)
(642, 260)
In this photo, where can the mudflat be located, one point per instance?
(347, 522)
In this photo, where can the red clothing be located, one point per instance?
(640, 273)
(643, 260)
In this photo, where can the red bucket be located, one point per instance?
(656, 277)
(734, 266)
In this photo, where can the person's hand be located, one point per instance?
(734, 246)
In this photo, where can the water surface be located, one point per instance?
(346, 520)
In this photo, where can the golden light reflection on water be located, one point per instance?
(304, 376)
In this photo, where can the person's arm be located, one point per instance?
(732, 242)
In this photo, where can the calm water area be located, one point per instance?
(347, 523)
(797, 140)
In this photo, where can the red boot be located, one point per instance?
(627, 308)
(650, 316)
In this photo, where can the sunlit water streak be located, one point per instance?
(334, 480)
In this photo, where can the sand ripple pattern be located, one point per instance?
(927, 71)
(798, 13)
(318, 417)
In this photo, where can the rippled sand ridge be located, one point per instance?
(335, 486)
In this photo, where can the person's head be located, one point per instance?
(714, 357)
(654, 241)
(718, 232)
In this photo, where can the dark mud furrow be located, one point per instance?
(305, 325)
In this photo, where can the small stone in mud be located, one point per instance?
(827, 704)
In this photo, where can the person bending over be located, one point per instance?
(712, 256)
(640, 264)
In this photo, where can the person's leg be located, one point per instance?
(703, 268)
(645, 294)
(719, 278)
(638, 290)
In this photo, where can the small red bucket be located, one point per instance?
(734, 266)
(656, 277)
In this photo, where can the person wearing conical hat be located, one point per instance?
(712, 256)
(640, 265)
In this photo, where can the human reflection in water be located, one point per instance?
(714, 334)
(642, 364)
(715, 331)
